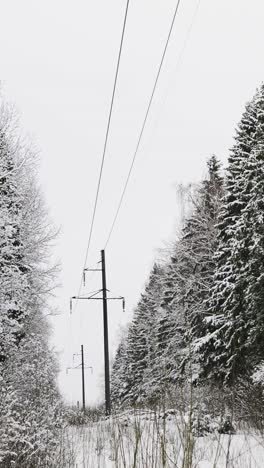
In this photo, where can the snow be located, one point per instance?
(154, 440)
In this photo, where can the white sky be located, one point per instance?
(57, 61)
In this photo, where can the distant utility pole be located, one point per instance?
(83, 383)
(104, 298)
(82, 367)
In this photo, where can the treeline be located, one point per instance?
(30, 406)
(200, 319)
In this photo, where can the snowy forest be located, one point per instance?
(30, 404)
(199, 324)
(194, 347)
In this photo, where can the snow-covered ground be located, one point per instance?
(148, 440)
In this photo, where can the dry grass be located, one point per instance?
(156, 439)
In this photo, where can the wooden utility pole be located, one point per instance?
(106, 345)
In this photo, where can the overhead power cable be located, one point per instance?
(180, 57)
(106, 139)
(144, 123)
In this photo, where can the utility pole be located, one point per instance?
(104, 298)
(82, 367)
(106, 345)
(83, 383)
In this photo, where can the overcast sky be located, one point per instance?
(58, 60)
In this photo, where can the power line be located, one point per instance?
(144, 123)
(106, 140)
(178, 63)
(185, 43)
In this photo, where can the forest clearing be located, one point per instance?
(132, 234)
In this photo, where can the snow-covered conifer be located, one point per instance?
(14, 285)
(190, 273)
(29, 399)
(139, 348)
(235, 321)
(170, 312)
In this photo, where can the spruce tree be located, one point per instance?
(199, 244)
(14, 284)
(254, 221)
(29, 400)
(139, 347)
(190, 273)
(169, 315)
(235, 323)
(119, 373)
